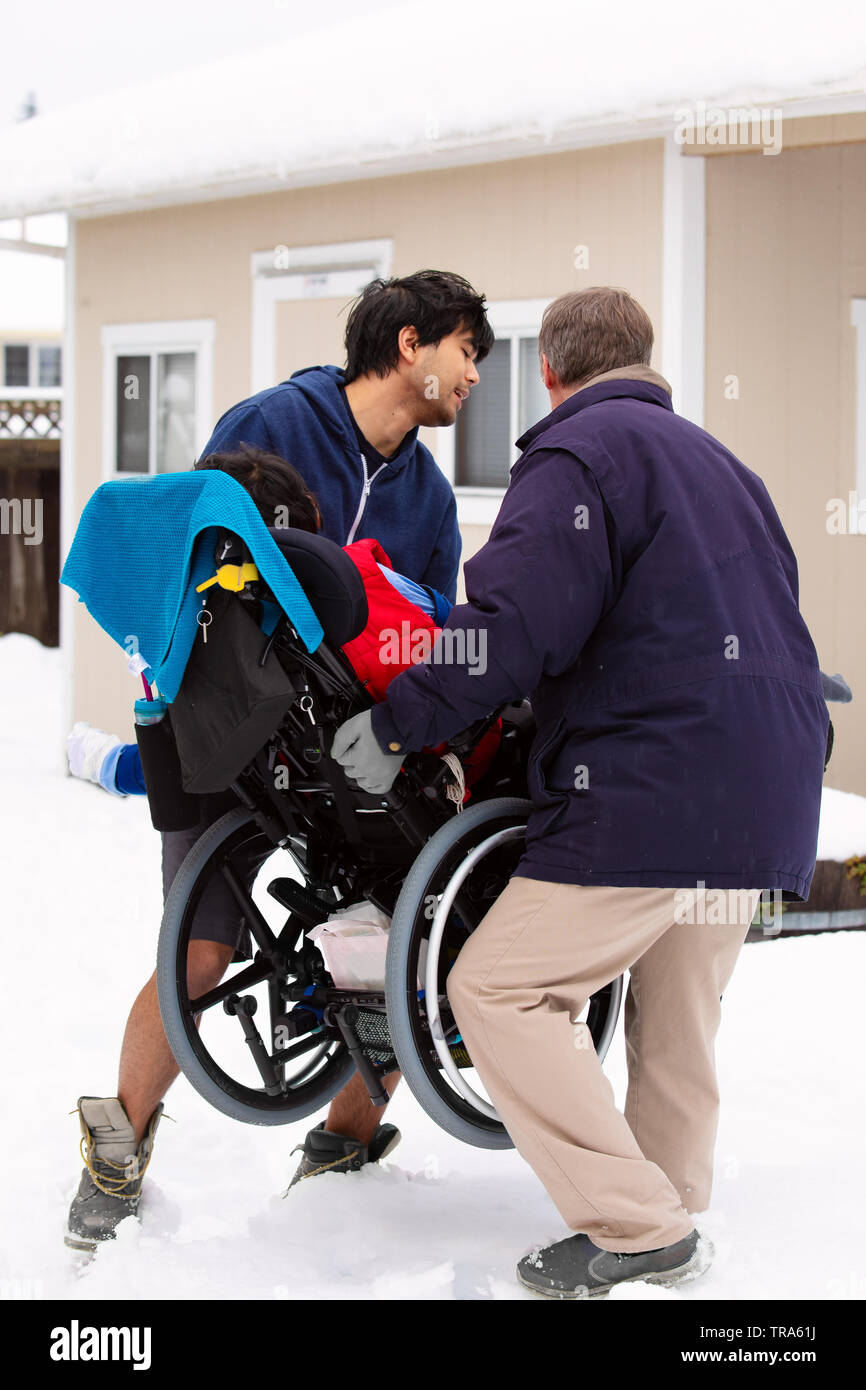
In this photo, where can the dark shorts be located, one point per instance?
(217, 916)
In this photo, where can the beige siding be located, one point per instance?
(786, 252)
(509, 227)
(792, 132)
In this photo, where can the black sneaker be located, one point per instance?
(323, 1152)
(110, 1187)
(576, 1268)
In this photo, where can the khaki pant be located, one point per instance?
(528, 970)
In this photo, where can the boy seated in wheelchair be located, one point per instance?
(399, 609)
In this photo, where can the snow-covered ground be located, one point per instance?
(440, 1220)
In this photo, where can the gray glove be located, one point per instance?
(357, 750)
(836, 688)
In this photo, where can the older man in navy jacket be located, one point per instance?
(638, 586)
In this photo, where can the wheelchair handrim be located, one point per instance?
(431, 974)
(450, 1108)
(205, 1074)
(456, 1107)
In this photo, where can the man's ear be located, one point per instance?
(548, 375)
(407, 343)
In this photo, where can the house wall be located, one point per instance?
(786, 251)
(510, 227)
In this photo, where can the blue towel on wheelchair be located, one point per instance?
(142, 546)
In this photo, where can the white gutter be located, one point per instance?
(36, 248)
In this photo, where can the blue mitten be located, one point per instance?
(93, 755)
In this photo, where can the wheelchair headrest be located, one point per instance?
(330, 580)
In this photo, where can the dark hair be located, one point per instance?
(276, 487)
(434, 302)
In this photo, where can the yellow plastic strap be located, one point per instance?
(232, 577)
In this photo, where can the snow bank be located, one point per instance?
(842, 827)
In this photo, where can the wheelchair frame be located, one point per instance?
(429, 851)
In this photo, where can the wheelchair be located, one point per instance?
(277, 1039)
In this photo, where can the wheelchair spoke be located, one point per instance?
(252, 975)
(288, 1054)
(264, 937)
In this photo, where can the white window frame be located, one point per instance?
(858, 321)
(32, 390)
(148, 339)
(336, 270)
(512, 319)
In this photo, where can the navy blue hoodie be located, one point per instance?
(408, 506)
(638, 586)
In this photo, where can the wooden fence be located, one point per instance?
(30, 537)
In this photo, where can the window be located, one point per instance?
(155, 412)
(508, 399)
(31, 366)
(478, 452)
(16, 365)
(157, 396)
(49, 366)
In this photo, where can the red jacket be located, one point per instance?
(395, 627)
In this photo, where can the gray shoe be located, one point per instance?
(323, 1152)
(576, 1268)
(110, 1187)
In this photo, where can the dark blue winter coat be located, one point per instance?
(410, 507)
(638, 586)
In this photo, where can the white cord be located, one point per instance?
(455, 791)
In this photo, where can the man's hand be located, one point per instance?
(357, 750)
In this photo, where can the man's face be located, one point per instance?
(443, 375)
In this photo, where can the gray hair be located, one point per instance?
(587, 332)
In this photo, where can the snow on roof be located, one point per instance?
(31, 295)
(425, 86)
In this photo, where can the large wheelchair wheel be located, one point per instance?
(452, 884)
(233, 1067)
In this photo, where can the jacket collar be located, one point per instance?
(321, 386)
(639, 382)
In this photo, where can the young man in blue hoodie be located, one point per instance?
(412, 345)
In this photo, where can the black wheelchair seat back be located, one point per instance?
(332, 583)
(330, 580)
(236, 691)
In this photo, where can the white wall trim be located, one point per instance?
(478, 506)
(31, 393)
(517, 315)
(684, 275)
(175, 335)
(68, 509)
(335, 270)
(34, 248)
(858, 321)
